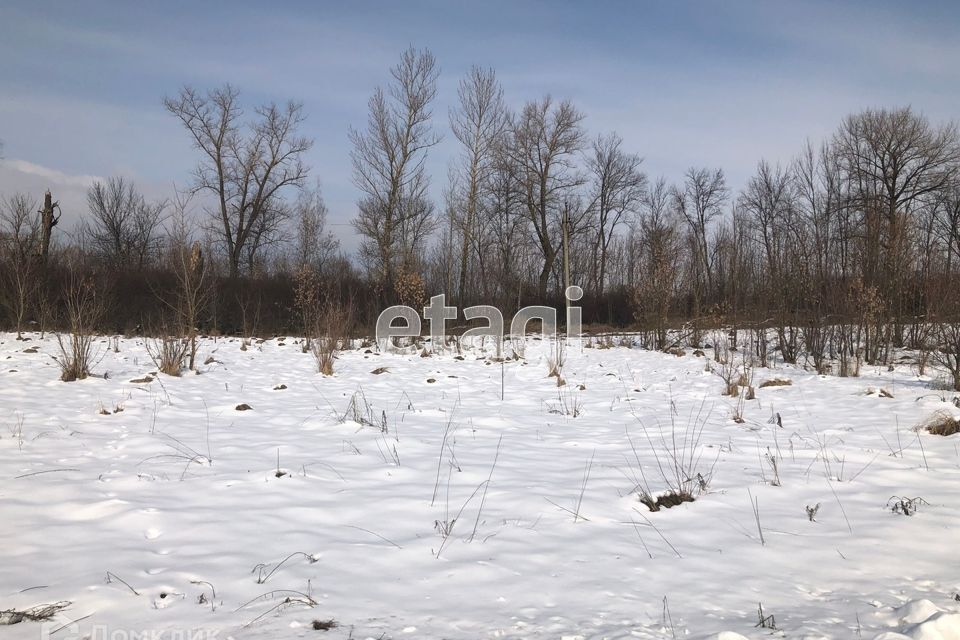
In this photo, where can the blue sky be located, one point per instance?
(687, 83)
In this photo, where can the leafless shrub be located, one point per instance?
(360, 411)
(737, 379)
(84, 310)
(568, 404)
(604, 342)
(324, 351)
(678, 459)
(307, 303)
(193, 287)
(168, 353)
(742, 391)
(331, 335)
(556, 360)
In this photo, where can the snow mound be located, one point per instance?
(915, 611)
(939, 626)
(923, 620)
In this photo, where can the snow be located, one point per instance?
(135, 501)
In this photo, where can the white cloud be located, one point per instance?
(31, 179)
(54, 177)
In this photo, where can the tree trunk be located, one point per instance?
(47, 222)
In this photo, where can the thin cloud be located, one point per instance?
(54, 177)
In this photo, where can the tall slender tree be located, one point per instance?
(478, 123)
(395, 215)
(617, 190)
(546, 137)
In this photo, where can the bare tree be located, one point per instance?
(247, 168)
(819, 201)
(768, 201)
(617, 190)
(893, 160)
(269, 232)
(699, 202)
(769, 205)
(946, 218)
(395, 215)
(657, 235)
(545, 139)
(508, 227)
(123, 228)
(193, 286)
(19, 239)
(315, 244)
(478, 123)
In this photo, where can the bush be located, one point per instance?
(169, 354)
(324, 350)
(678, 460)
(942, 424)
(332, 333)
(76, 356)
(84, 310)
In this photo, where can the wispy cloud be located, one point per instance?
(54, 177)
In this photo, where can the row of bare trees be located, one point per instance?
(848, 250)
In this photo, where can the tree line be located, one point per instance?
(850, 247)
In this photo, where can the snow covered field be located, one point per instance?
(415, 503)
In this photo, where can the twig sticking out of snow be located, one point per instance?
(755, 506)
(112, 576)
(292, 597)
(483, 497)
(659, 533)
(260, 568)
(213, 594)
